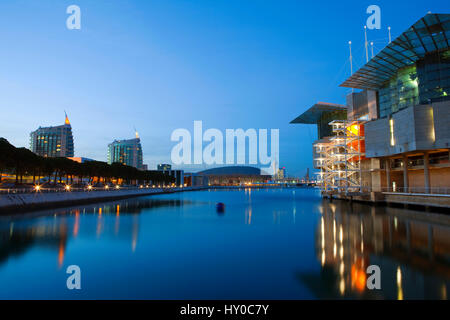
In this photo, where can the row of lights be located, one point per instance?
(67, 187)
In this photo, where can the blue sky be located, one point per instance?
(160, 65)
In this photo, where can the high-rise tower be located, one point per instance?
(53, 141)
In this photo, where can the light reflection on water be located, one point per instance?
(412, 249)
(268, 244)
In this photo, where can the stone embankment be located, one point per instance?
(18, 201)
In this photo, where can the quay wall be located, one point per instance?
(37, 200)
(386, 198)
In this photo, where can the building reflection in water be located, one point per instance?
(54, 228)
(411, 248)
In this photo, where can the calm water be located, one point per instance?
(268, 244)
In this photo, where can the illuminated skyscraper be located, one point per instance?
(127, 152)
(53, 141)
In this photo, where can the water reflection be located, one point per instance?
(52, 229)
(411, 248)
(176, 246)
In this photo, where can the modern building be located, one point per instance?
(164, 167)
(281, 174)
(329, 118)
(53, 141)
(235, 175)
(195, 180)
(396, 136)
(408, 134)
(177, 174)
(127, 152)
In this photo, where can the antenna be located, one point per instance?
(366, 44)
(371, 47)
(351, 59)
(389, 29)
(67, 118)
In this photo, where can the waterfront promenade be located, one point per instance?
(16, 199)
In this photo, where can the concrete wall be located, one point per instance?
(441, 117)
(404, 133)
(32, 200)
(377, 138)
(418, 199)
(423, 127)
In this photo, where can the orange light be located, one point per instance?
(359, 278)
(67, 120)
(354, 128)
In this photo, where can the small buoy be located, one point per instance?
(220, 207)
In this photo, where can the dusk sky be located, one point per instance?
(160, 65)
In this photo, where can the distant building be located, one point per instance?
(177, 174)
(235, 175)
(127, 152)
(195, 180)
(281, 173)
(53, 141)
(80, 159)
(164, 167)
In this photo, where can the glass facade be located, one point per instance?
(53, 141)
(323, 127)
(127, 152)
(426, 81)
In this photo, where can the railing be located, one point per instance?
(423, 190)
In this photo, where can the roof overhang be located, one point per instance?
(313, 114)
(431, 33)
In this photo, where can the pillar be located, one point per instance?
(426, 172)
(405, 173)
